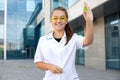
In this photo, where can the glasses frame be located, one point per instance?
(56, 18)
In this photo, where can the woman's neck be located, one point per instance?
(58, 34)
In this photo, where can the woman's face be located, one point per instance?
(59, 20)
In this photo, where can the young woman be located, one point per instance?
(56, 51)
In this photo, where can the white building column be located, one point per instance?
(5, 26)
(47, 8)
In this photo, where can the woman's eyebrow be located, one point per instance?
(59, 16)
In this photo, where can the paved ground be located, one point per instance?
(25, 70)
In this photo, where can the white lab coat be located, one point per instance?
(57, 53)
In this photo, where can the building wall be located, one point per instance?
(40, 16)
(95, 55)
(76, 10)
(47, 9)
(2, 11)
(73, 11)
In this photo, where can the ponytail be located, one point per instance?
(69, 32)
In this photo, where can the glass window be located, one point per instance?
(11, 37)
(111, 18)
(112, 39)
(42, 30)
(30, 5)
(12, 5)
(63, 3)
(19, 33)
(71, 2)
(80, 53)
(28, 15)
(21, 6)
(14, 33)
(1, 17)
(11, 32)
(21, 19)
(30, 32)
(1, 31)
(1, 41)
(1, 52)
(56, 3)
(115, 34)
(11, 18)
(1, 4)
(37, 1)
(115, 51)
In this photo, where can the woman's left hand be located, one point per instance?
(87, 13)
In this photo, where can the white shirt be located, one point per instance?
(59, 54)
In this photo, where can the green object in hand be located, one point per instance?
(85, 9)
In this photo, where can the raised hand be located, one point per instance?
(87, 13)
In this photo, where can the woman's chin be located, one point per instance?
(59, 29)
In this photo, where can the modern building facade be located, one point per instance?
(1, 29)
(32, 32)
(104, 53)
(16, 18)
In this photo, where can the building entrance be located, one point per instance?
(30, 53)
(112, 31)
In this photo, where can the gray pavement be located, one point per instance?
(26, 70)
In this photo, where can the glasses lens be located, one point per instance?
(60, 18)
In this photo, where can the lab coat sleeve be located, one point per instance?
(79, 41)
(38, 54)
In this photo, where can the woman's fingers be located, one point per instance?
(87, 12)
(59, 70)
(85, 9)
(55, 69)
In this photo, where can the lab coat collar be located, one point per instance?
(50, 35)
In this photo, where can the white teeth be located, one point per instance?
(59, 24)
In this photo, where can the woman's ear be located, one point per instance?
(66, 22)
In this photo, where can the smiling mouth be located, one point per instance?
(59, 25)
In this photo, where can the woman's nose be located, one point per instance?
(58, 20)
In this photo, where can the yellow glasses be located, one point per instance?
(62, 19)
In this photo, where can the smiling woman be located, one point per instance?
(56, 51)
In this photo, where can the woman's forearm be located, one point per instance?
(46, 66)
(89, 33)
(88, 16)
(42, 65)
